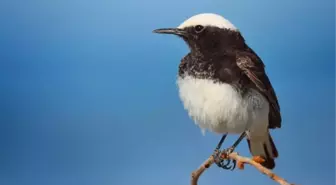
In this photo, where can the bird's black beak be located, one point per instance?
(174, 31)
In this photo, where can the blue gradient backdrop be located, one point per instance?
(88, 94)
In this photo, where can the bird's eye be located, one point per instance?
(199, 28)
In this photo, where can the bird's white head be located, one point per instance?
(207, 33)
(207, 19)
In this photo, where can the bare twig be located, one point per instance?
(197, 173)
(240, 162)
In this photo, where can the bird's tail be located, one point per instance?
(265, 148)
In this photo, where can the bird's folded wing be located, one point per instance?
(253, 68)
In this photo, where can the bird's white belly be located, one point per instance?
(219, 107)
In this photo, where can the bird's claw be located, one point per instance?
(227, 151)
(222, 161)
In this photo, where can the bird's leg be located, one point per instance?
(229, 150)
(235, 144)
(217, 151)
(219, 145)
(222, 163)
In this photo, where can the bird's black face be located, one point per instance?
(205, 39)
(192, 34)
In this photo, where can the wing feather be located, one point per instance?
(254, 69)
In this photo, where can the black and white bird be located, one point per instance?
(223, 84)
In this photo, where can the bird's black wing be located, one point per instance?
(253, 67)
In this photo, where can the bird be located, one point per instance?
(223, 85)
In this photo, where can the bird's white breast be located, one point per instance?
(220, 108)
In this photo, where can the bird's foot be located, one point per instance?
(222, 160)
(228, 151)
(216, 156)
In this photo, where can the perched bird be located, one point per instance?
(223, 85)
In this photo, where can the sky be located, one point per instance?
(88, 92)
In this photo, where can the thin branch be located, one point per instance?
(197, 173)
(240, 163)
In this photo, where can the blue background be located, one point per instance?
(88, 93)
